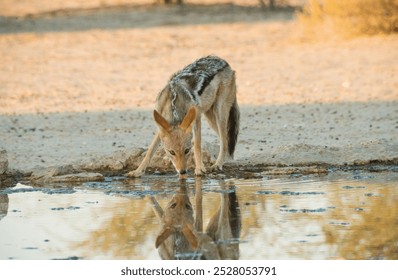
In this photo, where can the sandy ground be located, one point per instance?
(79, 86)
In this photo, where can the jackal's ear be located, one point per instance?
(166, 231)
(188, 119)
(190, 236)
(161, 122)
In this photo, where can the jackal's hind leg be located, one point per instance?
(199, 166)
(215, 122)
(222, 126)
(144, 164)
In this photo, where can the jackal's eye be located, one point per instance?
(187, 206)
(172, 206)
(187, 151)
(172, 152)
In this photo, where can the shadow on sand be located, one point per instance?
(125, 17)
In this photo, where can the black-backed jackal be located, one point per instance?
(206, 86)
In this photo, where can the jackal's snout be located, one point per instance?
(182, 174)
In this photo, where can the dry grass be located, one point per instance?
(350, 18)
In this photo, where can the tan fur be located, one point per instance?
(176, 115)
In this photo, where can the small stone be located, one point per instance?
(78, 177)
(220, 176)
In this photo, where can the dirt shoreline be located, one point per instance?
(72, 174)
(78, 90)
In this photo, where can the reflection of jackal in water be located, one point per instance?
(206, 86)
(181, 236)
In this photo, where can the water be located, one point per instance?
(336, 216)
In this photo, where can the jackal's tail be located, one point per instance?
(233, 128)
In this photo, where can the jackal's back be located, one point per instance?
(198, 75)
(186, 88)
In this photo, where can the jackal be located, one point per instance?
(206, 86)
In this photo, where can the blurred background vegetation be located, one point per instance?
(350, 17)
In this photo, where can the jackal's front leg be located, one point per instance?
(149, 154)
(199, 166)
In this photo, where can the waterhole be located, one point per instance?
(342, 215)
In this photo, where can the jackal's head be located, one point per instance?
(177, 140)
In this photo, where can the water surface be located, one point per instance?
(351, 215)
